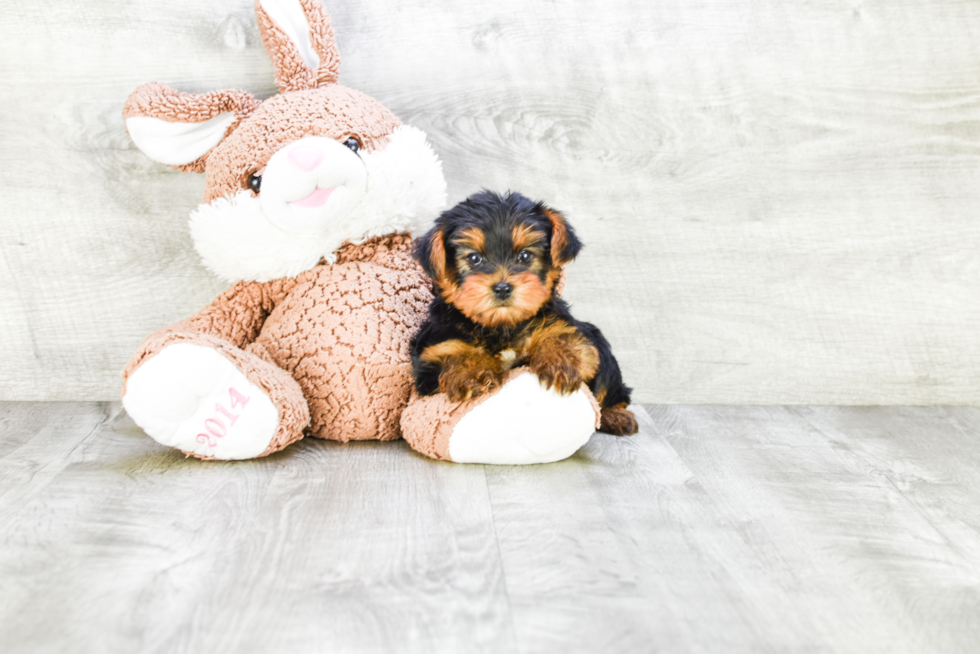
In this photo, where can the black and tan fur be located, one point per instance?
(495, 261)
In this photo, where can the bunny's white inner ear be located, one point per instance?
(291, 19)
(177, 144)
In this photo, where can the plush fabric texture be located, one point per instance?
(178, 144)
(292, 73)
(155, 100)
(525, 424)
(405, 189)
(282, 389)
(191, 397)
(340, 331)
(560, 284)
(334, 112)
(428, 422)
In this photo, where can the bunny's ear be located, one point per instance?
(179, 129)
(300, 41)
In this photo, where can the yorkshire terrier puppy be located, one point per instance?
(495, 261)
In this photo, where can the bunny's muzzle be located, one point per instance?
(311, 184)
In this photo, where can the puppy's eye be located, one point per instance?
(353, 144)
(525, 257)
(255, 182)
(474, 259)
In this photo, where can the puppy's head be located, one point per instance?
(497, 258)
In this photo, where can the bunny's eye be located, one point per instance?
(353, 144)
(255, 182)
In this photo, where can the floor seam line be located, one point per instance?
(500, 558)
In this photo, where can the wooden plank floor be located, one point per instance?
(716, 529)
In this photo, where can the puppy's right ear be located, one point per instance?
(180, 129)
(430, 250)
(565, 245)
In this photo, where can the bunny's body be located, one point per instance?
(309, 201)
(340, 330)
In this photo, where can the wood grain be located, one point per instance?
(856, 565)
(715, 529)
(748, 529)
(135, 548)
(778, 200)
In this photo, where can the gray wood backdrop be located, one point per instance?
(778, 197)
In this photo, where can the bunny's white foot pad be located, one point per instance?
(192, 398)
(524, 423)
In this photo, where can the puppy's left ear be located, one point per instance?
(565, 245)
(430, 251)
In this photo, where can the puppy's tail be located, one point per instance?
(618, 420)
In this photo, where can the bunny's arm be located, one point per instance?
(237, 315)
(209, 368)
(234, 318)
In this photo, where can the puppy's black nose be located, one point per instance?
(502, 290)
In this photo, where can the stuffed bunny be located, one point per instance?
(310, 197)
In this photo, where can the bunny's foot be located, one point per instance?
(519, 423)
(191, 397)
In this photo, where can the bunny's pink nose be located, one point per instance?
(306, 157)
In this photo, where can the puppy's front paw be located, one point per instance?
(462, 383)
(558, 370)
(562, 359)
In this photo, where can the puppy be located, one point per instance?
(495, 261)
